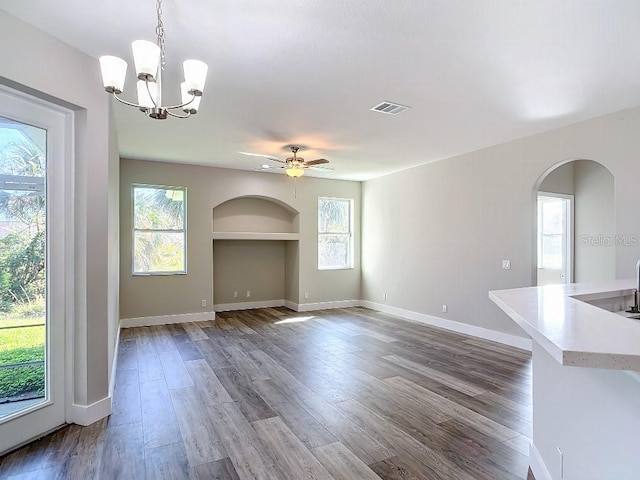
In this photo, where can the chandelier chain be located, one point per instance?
(160, 33)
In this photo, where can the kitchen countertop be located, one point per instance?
(574, 332)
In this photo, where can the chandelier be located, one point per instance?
(149, 60)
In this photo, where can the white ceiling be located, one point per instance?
(476, 73)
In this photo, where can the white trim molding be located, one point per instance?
(538, 467)
(229, 307)
(309, 307)
(87, 414)
(474, 331)
(114, 364)
(167, 319)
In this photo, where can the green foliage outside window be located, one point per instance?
(159, 233)
(22, 271)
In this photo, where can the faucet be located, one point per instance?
(635, 308)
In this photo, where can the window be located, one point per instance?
(335, 240)
(552, 236)
(159, 230)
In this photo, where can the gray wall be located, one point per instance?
(436, 234)
(560, 180)
(257, 266)
(595, 252)
(47, 68)
(254, 215)
(207, 187)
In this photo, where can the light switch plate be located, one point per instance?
(506, 264)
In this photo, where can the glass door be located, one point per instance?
(31, 277)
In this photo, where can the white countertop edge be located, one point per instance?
(587, 356)
(553, 349)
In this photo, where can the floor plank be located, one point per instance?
(220, 470)
(293, 458)
(201, 442)
(167, 462)
(341, 463)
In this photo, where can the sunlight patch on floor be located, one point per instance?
(294, 320)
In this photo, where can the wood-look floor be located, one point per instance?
(274, 394)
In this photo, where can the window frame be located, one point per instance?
(350, 263)
(567, 235)
(152, 230)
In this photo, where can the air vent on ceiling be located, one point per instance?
(390, 108)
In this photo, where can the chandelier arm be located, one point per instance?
(146, 82)
(127, 103)
(183, 104)
(178, 116)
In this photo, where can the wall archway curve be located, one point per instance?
(255, 213)
(274, 200)
(589, 191)
(561, 163)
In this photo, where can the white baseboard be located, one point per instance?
(114, 366)
(88, 414)
(538, 467)
(229, 307)
(167, 319)
(309, 307)
(485, 333)
(291, 305)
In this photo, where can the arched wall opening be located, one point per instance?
(255, 253)
(589, 186)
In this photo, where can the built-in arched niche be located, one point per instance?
(255, 215)
(585, 189)
(255, 253)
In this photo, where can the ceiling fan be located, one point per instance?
(294, 166)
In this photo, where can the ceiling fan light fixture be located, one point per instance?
(294, 172)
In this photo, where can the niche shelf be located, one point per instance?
(255, 218)
(255, 236)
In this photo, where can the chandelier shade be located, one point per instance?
(195, 75)
(146, 56)
(147, 93)
(149, 61)
(114, 72)
(191, 102)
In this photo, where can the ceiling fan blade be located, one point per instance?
(319, 161)
(262, 155)
(320, 169)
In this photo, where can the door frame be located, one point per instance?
(32, 422)
(568, 247)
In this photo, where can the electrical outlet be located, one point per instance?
(306, 295)
(204, 303)
(235, 294)
(444, 308)
(384, 296)
(248, 293)
(506, 264)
